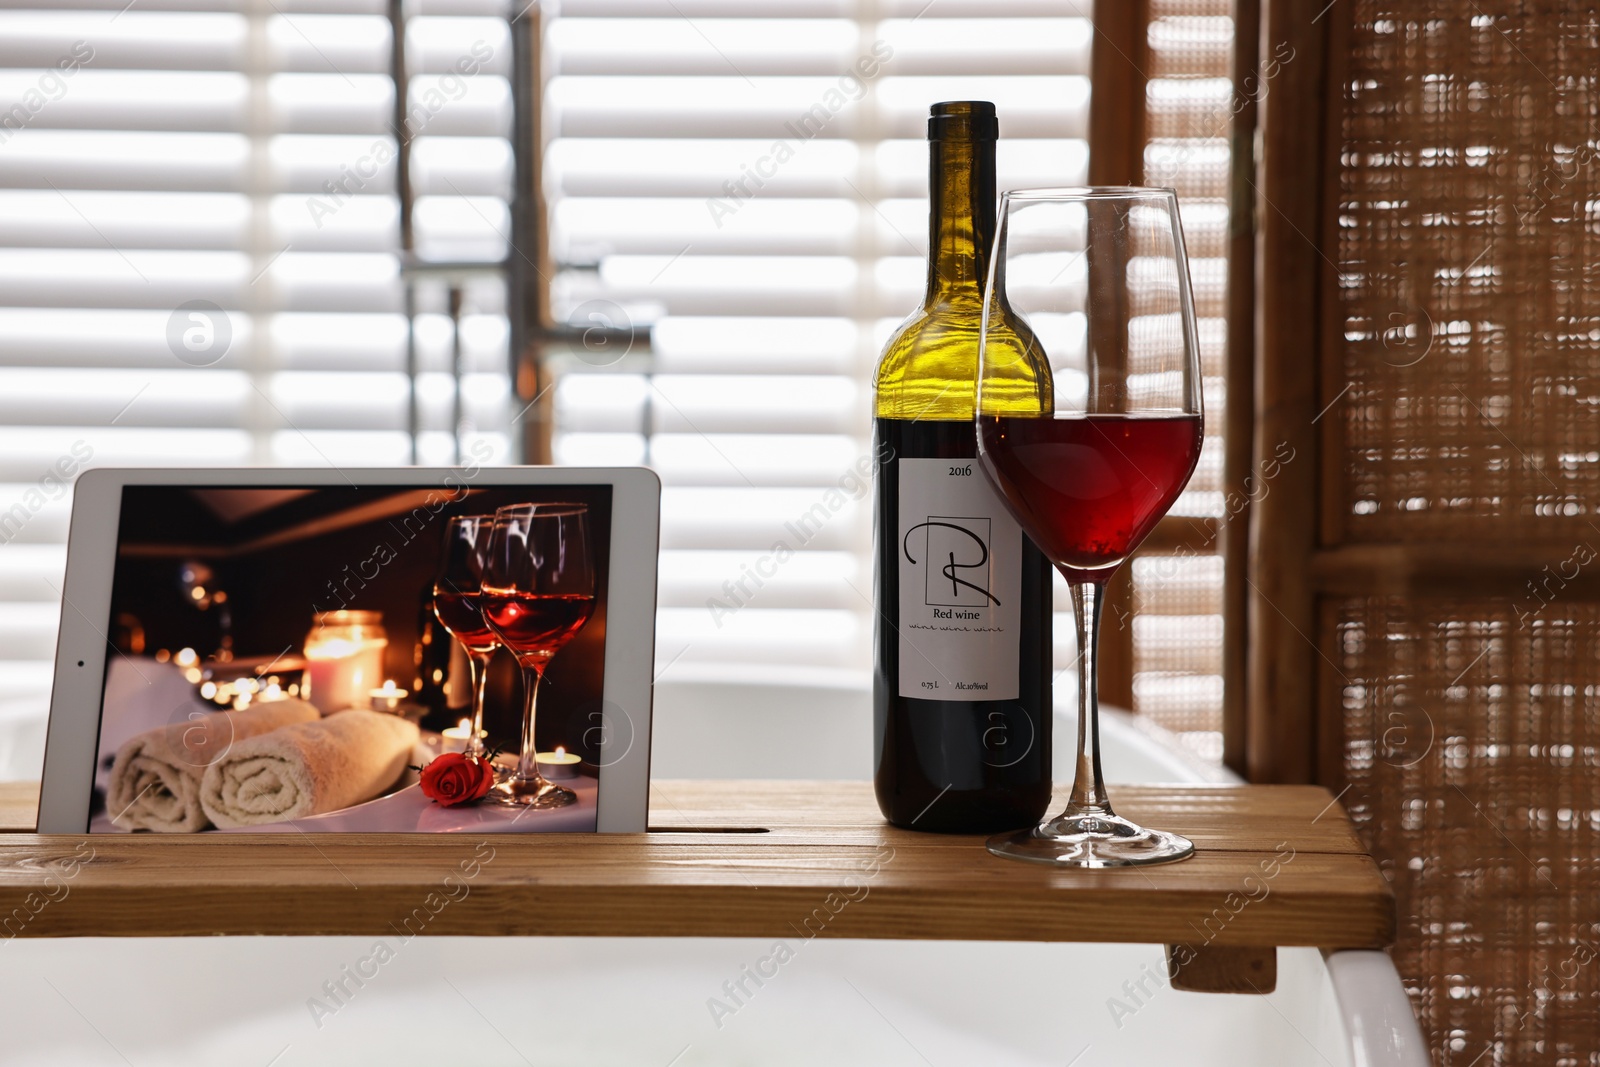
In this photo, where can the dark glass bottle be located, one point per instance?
(961, 680)
(430, 658)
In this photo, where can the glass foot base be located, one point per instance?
(530, 793)
(1091, 839)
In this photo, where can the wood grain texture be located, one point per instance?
(1290, 190)
(1240, 478)
(1119, 61)
(1534, 570)
(1277, 865)
(1333, 492)
(1119, 71)
(1223, 969)
(1114, 650)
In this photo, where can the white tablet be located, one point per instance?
(265, 650)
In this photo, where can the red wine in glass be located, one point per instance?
(1088, 422)
(536, 625)
(538, 592)
(1089, 488)
(462, 615)
(456, 587)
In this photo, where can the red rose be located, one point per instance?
(452, 778)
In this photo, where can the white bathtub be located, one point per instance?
(663, 1003)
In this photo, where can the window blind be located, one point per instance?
(1177, 597)
(241, 154)
(751, 180)
(199, 254)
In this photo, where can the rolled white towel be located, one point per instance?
(155, 778)
(307, 768)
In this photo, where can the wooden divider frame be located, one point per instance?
(1295, 285)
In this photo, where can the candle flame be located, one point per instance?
(465, 725)
(560, 752)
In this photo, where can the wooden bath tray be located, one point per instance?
(1275, 865)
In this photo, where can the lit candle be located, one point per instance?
(559, 764)
(388, 697)
(455, 737)
(344, 658)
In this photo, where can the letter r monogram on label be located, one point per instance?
(956, 550)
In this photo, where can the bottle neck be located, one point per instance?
(961, 205)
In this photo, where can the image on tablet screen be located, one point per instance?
(302, 659)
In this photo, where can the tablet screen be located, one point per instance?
(304, 659)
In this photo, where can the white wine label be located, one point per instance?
(960, 555)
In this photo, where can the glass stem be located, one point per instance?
(1088, 788)
(528, 763)
(479, 662)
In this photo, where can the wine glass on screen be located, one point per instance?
(457, 589)
(538, 592)
(1089, 424)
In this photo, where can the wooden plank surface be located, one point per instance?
(1277, 865)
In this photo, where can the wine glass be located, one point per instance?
(538, 592)
(1089, 424)
(456, 591)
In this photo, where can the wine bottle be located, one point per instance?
(961, 680)
(430, 657)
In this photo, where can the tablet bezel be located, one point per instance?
(82, 645)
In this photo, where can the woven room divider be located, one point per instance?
(1424, 623)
